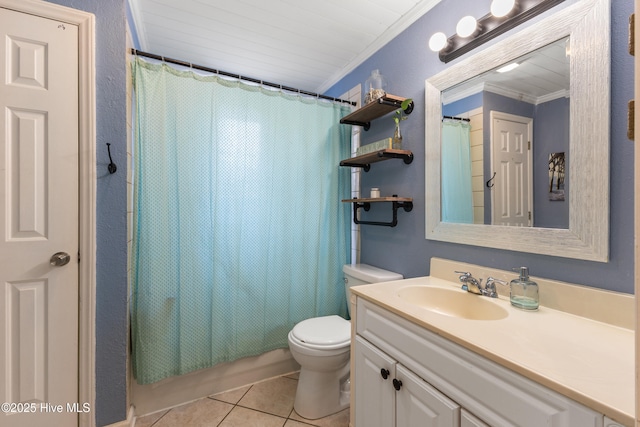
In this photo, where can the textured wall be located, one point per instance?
(407, 62)
(111, 223)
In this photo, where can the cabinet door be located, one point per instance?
(418, 404)
(469, 420)
(374, 395)
(608, 422)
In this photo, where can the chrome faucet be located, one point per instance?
(470, 283)
(473, 285)
(490, 287)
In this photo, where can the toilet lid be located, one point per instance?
(327, 331)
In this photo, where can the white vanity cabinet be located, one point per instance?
(469, 420)
(395, 396)
(444, 384)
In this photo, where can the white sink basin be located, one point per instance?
(453, 302)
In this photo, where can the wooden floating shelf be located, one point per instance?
(364, 161)
(373, 110)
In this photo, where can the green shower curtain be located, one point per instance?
(239, 232)
(457, 196)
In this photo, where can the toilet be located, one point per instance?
(321, 345)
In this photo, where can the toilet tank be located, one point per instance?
(362, 274)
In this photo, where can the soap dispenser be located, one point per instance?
(524, 291)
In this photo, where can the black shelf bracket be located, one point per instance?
(397, 104)
(395, 205)
(406, 156)
(365, 125)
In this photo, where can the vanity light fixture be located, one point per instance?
(500, 8)
(505, 15)
(438, 41)
(467, 26)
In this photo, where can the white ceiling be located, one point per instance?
(305, 44)
(542, 75)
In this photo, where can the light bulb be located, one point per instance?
(508, 68)
(437, 41)
(500, 8)
(466, 26)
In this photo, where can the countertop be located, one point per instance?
(589, 361)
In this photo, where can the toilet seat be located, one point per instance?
(323, 333)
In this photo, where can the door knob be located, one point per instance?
(59, 259)
(397, 384)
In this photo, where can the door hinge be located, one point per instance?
(632, 34)
(529, 215)
(631, 120)
(529, 145)
(631, 105)
(78, 257)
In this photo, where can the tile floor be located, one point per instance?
(265, 404)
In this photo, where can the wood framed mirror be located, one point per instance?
(587, 25)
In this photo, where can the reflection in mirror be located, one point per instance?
(499, 130)
(585, 235)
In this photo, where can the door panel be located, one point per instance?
(374, 395)
(27, 197)
(470, 420)
(418, 404)
(38, 217)
(512, 191)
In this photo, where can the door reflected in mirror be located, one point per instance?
(501, 131)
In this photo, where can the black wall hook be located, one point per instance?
(490, 184)
(112, 166)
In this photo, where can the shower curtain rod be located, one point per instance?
(236, 76)
(456, 118)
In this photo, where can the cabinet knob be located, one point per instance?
(397, 384)
(384, 373)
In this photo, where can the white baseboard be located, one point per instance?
(176, 391)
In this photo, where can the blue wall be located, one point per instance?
(463, 105)
(111, 224)
(407, 62)
(551, 135)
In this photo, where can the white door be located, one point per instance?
(373, 387)
(511, 161)
(418, 404)
(38, 218)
